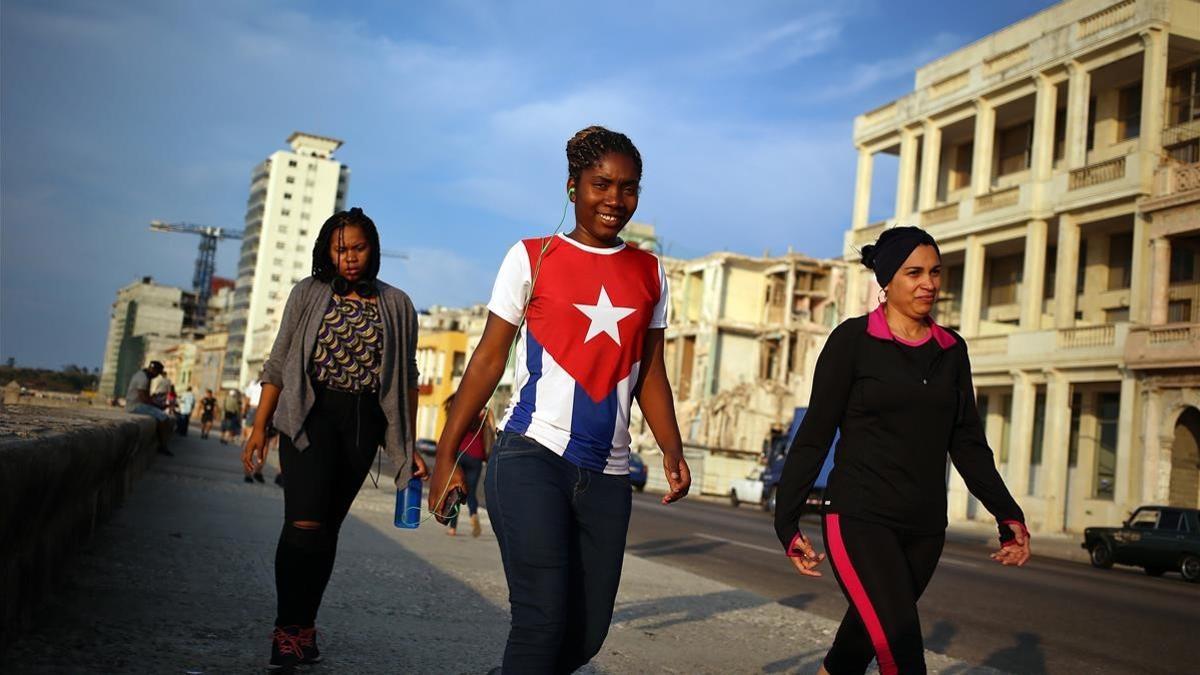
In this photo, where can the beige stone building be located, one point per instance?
(147, 318)
(742, 338)
(1056, 163)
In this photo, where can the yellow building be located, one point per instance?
(441, 360)
(1055, 161)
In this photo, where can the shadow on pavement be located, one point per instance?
(181, 580)
(798, 601)
(1026, 656)
(938, 639)
(675, 610)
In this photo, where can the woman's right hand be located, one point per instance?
(445, 480)
(254, 451)
(804, 557)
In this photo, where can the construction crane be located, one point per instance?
(206, 261)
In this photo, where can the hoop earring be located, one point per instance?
(882, 296)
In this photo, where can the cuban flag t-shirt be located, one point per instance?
(579, 351)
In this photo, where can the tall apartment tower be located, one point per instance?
(291, 194)
(1057, 163)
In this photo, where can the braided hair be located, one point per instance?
(588, 146)
(323, 266)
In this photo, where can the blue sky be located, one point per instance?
(454, 114)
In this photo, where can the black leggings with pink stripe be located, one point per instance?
(882, 572)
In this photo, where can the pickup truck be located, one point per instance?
(1158, 539)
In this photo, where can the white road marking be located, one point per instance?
(958, 563)
(723, 540)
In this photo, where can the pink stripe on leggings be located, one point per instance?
(858, 595)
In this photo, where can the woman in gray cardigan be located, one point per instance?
(341, 381)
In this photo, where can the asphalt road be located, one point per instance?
(1050, 616)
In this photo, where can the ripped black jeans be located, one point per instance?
(320, 483)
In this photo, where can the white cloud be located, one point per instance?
(784, 45)
(866, 76)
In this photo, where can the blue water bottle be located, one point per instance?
(408, 505)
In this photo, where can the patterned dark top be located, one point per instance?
(349, 346)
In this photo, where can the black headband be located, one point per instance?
(893, 248)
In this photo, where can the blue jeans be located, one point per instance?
(147, 409)
(561, 530)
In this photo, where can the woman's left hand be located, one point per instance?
(419, 469)
(1016, 552)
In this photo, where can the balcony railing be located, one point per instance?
(941, 214)
(1174, 345)
(998, 199)
(1162, 335)
(1107, 18)
(1102, 172)
(1090, 336)
(1186, 178)
(1181, 133)
(989, 344)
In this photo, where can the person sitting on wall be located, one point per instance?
(138, 401)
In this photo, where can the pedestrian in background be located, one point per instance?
(473, 452)
(250, 398)
(591, 316)
(231, 420)
(898, 387)
(208, 411)
(341, 381)
(139, 401)
(187, 403)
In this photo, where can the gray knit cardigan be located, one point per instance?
(287, 366)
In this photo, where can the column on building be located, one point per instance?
(972, 289)
(1055, 450)
(1065, 277)
(1078, 91)
(957, 497)
(906, 181)
(1154, 91)
(862, 189)
(1033, 275)
(1152, 447)
(1140, 286)
(984, 143)
(1021, 438)
(930, 156)
(1160, 280)
(1045, 107)
(1127, 481)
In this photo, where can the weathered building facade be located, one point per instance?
(1056, 163)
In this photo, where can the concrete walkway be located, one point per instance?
(181, 581)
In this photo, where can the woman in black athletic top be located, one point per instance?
(898, 387)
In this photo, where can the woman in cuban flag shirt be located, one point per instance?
(590, 341)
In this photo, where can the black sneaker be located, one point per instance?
(308, 642)
(247, 479)
(259, 477)
(287, 650)
(164, 451)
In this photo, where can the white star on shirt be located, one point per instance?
(604, 317)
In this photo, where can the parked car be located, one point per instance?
(427, 446)
(748, 489)
(777, 455)
(1158, 539)
(637, 472)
